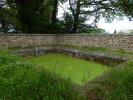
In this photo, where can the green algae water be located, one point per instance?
(78, 70)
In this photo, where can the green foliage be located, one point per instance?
(40, 16)
(125, 6)
(89, 10)
(95, 30)
(117, 84)
(29, 15)
(67, 23)
(22, 81)
(130, 32)
(7, 19)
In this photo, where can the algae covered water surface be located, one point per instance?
(78, 70)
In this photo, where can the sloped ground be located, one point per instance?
(20, 80)
(115, 84)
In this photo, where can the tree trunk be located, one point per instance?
(3, 26)
(76, 17)
(54, 13)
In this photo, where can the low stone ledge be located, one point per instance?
(102, 58)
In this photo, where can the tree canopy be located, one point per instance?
(125, 6)
(40, 16)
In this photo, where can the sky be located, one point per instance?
(122, 25)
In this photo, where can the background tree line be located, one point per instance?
(40, 16)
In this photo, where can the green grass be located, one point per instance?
(20, 80)
(78, 70)
(119, 84)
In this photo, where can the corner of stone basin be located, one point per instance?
(104, 58)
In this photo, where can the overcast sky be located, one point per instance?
(116, 25)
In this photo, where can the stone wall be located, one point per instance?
(107, 41)
(108, 59)
(29, 40)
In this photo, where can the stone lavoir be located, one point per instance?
(99, 57)
(124, 42)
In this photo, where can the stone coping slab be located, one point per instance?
(52, 34)
(109, 59)
(99, 54)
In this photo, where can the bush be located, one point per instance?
(21, 81)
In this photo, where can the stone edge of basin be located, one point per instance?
(100, 57)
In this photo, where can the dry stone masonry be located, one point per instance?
(124, 42)
(24, 40)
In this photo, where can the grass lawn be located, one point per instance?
(78, 70)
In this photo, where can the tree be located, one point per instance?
(54, 12)
(125, 7)
(37, 16)
(67, 23)
(54, 20)
(130, 31)
(115, 32)
(28, 14)
(97, 30)
(3, 20)
(95, 8)
(8, 19)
